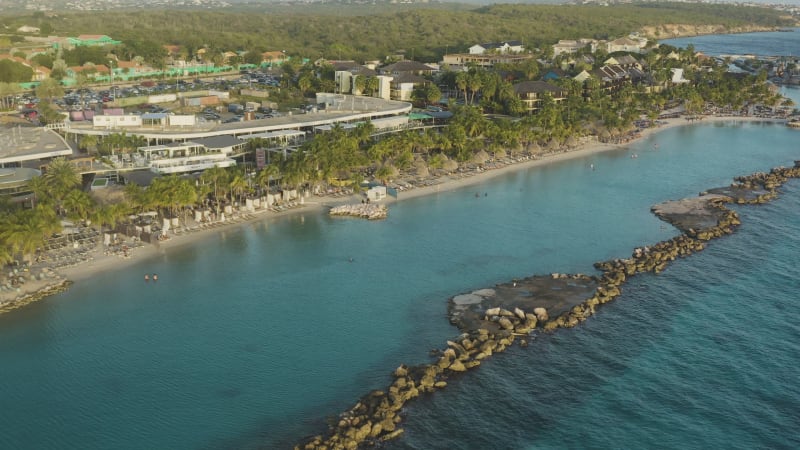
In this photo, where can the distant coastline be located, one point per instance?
(674, 31)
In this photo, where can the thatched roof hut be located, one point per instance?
(450, 165)
(480, 157)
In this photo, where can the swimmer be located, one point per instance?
(155, 277)
(146, 277)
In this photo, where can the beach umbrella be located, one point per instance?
(450, 165)
(422, 170)
(480, 157)
(552, 145)
(571, 142)
(500, 153)
(534, 148)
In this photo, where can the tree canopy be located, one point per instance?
(427, 33)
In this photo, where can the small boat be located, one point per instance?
(794, 123)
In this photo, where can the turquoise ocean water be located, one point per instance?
(252, 338)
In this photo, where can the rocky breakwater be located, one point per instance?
(377, 416)
(371, 211)
(493, 319)
(20, 288)
(700, 219)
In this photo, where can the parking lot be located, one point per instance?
(100, 97)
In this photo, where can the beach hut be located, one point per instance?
(450, 165)
(480, 157)
(376, 193)
(421, 169)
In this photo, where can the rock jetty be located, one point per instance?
(51, 287)
(371, 211)
(493, 319)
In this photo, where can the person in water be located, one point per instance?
(155, 277)
(146, 277)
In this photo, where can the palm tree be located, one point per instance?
(384, 172)
(371, 85)
(5, 255)
(78, 205)
(265, 175)
(25, 233)
(238, 185)
(61, 177)
(217, 176)
(462, 82)
(110, 215)
(474, 83)
(185, 196)
(135, 196)
(39, 187)
(88, 142)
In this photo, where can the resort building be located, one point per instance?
(462, 61)
(180, 157)
(573, 46)
(180, 143)
(21, 148)
(24, 144)
(533, 93)
(405, 76)
(625, 44)
(345, 75)
(497, 47)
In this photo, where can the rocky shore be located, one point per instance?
(491, 320)
(45, 284)
(371, 211)
(676, 30)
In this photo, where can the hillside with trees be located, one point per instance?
(424, 33)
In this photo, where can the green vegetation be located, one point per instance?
(424, 33)
(14, 72)
(591, 109)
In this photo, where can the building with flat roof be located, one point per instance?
(14, 181)
(19, 144)
(335, 108)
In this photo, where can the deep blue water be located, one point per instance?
(252, 338)
(776, 43)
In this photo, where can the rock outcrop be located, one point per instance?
(371, 211)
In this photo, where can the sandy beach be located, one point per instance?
(103, 263)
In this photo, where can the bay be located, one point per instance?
(256, 335)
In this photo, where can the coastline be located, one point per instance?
(492, 319)
(675, 31)
(100, 263)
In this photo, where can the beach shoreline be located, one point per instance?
(102, 263)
